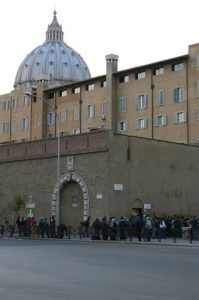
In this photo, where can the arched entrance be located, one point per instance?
(74, 199)
(137, 207)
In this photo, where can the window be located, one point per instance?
(122, 105)
(123, 79)
(122, 126)
(161, 97)
(14, 126)
(103, 83)
(25, 100)
(197, 60)
(90, 87)
(90, 111)
(63, 93)
(104, 108)
(5, 127)
(158, 71)
(51, 95)
(178, 67)
(141, 101)
(180, 117)
(76, 90)
(6, 105)
(197, 114)
(63, 117)
(179, 94)
(51, 118)
(141, 123)
(161, 120)
(197, 88)
(76, 113)
(14, 103)
(140, 75)
(25, 124)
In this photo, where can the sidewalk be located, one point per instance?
(164, 242)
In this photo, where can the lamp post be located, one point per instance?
(28, 93)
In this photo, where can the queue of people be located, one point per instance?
(144, 227)
(141, 227)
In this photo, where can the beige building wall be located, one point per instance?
(110, 102)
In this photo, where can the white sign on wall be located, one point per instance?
(147, 205)
(118, 187)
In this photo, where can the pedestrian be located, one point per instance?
(53, 227)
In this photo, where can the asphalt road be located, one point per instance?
(45, 270)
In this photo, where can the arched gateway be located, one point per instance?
(74, 199)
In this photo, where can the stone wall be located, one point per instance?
(117, 170)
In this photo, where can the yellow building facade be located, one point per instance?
(157, 101)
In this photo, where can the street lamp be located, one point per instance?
(29, 94)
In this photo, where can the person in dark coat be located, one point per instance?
(96, 229)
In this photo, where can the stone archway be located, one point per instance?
(66, 178)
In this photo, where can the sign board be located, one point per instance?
(75, 201)
(118, 187)
(147, 205)
(30, 205)
(99, 196)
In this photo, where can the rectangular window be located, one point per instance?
(90, 111)
(90, 87)
(161, 120)
(25, 100)
(76, 113)
(63, 93)
(180, 117)
(104, 108)
(179, 94)
(14, 126)
(103, 83)
(197, 60)
(6, 105)
(122, 126)
(122, 104)
(51, 118)
(51, 96)
(161, 97)
(158, 71)
(141, 101)
(25, 124)
(197, 114)
(14, 103)
(123, 79)
(63, 117)
(178, 67)
(76, 90)
(5, 127)
(141, 123)
(197, 88)
(140, 75)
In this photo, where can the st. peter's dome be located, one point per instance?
(54, 60)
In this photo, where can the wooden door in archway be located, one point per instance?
(71, 204)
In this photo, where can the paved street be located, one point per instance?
(33, 269)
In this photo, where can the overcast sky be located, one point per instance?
(139, 31)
